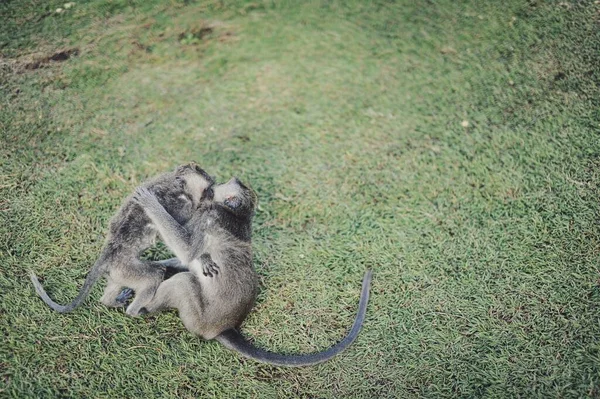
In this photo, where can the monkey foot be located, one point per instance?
(124, 296)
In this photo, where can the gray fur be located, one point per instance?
(217, 293)
(131, 232)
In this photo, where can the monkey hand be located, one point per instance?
(145, 198)
(209, 267)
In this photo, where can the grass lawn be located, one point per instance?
(451, 146)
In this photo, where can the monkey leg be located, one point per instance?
(172, 267)
(182, 292)
(170, 293)
(142, 276)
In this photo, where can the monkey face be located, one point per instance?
(235, 196)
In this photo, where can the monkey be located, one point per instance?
(130, 233)
(215, 296)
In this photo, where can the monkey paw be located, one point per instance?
(124, 296)
(145, 198)
(209, 267)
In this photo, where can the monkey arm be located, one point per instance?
(174, 235)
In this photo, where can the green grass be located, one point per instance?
(453, 147)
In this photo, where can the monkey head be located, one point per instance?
(195, 182)
(235, 197)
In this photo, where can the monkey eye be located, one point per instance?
(232, 201)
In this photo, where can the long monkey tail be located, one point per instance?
(92, 277)
(234, 340)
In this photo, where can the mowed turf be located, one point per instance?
(452, 147)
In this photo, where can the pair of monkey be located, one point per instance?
(208, 227)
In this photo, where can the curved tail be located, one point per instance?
(90, 280)
(233, 339)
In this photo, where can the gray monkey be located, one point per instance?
(217, 293)
(130, 233)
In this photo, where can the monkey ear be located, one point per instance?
(190, 165)
(207, 194)
(181, 168)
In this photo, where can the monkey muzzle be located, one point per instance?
(232, 202)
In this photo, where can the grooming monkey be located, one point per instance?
(216, 294)
(130, 233)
